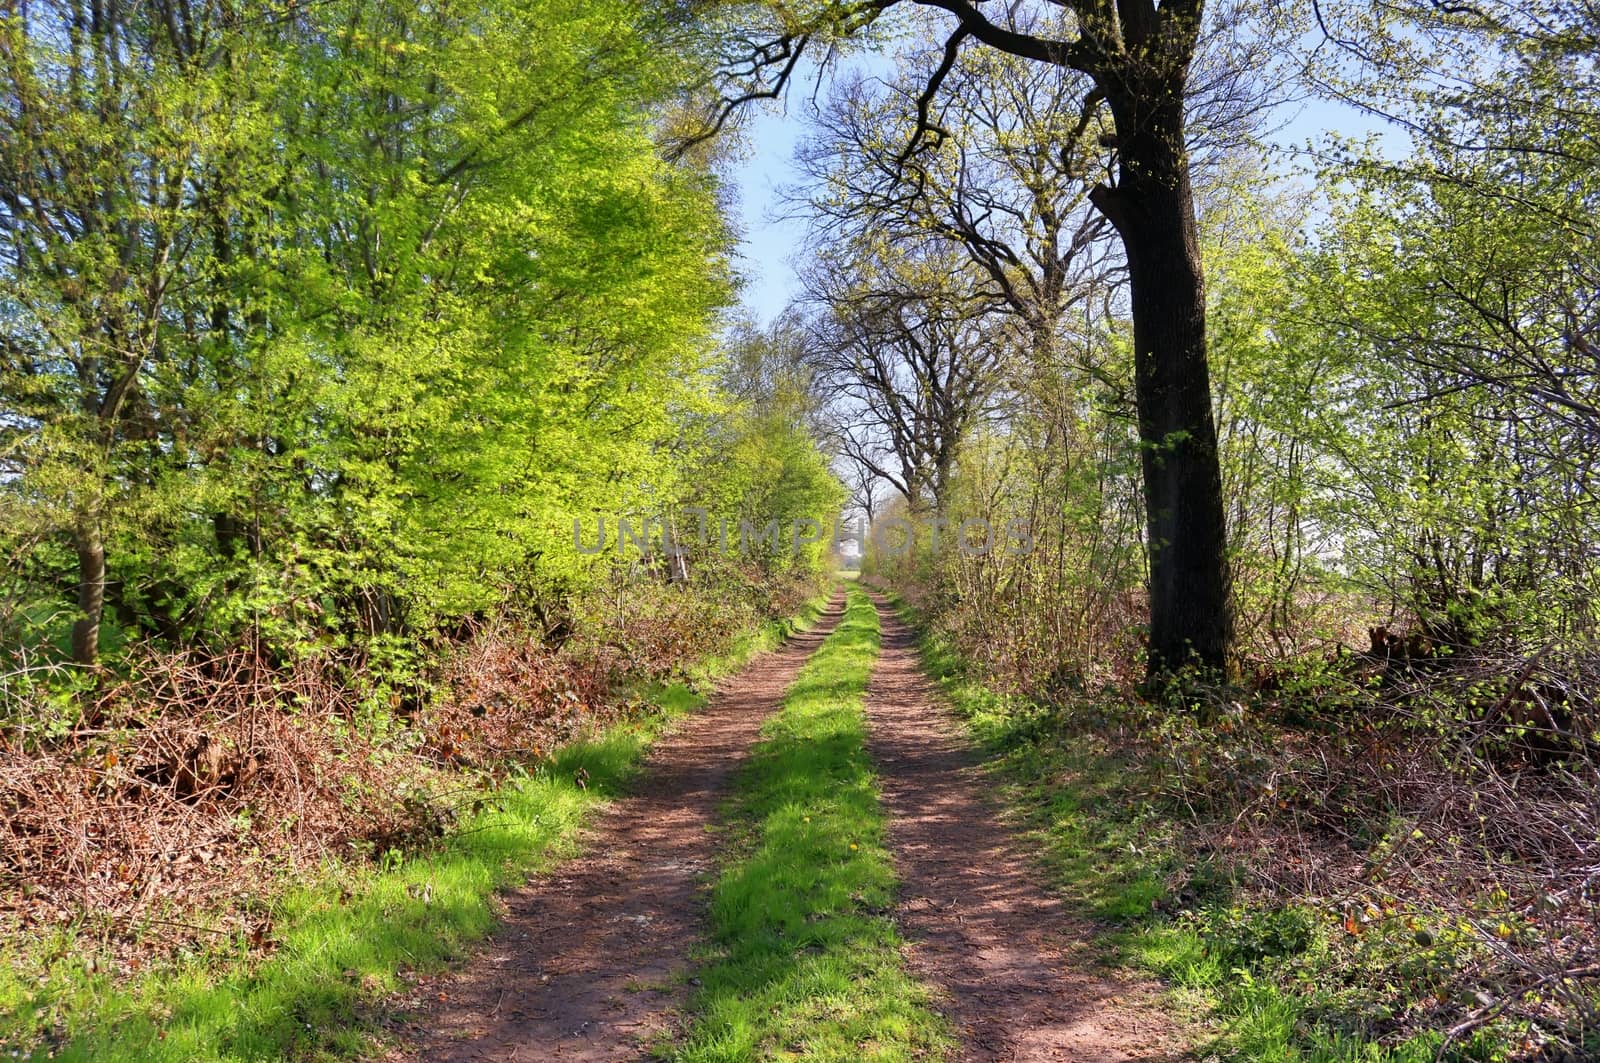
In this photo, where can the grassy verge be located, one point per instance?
(344, 938)
(759, 640)
(1261, 977)
(806, 963)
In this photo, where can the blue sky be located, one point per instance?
(770, 244)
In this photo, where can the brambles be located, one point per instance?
(205, 778)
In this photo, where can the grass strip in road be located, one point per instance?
(345, 936)
(806, 963)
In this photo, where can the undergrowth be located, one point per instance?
(177, 779)
(1283, 969)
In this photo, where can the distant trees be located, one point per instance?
(997, 201)
(1002, 181)
(906, 359)
(760, 463)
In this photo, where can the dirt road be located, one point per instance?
(1009, 962)
(592, 961)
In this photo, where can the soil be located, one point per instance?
(1015, 972)
(590, 962)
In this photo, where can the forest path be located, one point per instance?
(1013, 968)
(589, 961)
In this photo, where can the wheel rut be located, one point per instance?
(1012, 966)
(590, 960)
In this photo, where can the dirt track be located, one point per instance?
(591, 961)
(1007, 959)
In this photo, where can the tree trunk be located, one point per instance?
(1152, 207)
(91, 549)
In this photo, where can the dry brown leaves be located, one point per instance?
(188, 785)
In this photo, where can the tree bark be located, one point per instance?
(91, 550)
(1138, 53)
(1152, 207)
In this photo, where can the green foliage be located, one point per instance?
(1243, 938)
(1449, 309)
(381, 306)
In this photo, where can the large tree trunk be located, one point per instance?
(91, 550)
(1152, 207)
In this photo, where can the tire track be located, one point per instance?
(1008, 960)
(588, 962)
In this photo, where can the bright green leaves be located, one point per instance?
(397, 291)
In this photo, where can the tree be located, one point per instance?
(1138, 55)
(1139, 60)
(1000, 167)
(764, 446)
(906, 359)
(1003, 182)
(106, 121)
(318, 328)
(1461, 284)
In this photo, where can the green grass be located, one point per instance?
(345, 936)
(806, 963)
(1110, 849)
